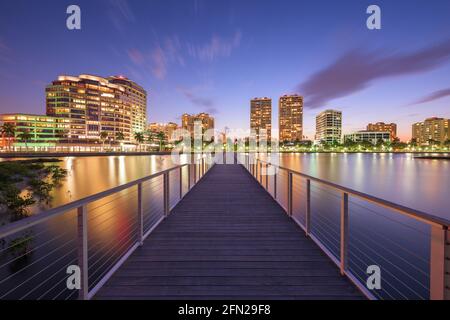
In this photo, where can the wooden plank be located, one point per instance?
(228, 239)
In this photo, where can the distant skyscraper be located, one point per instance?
(436, 129)
(93, 105)
(188, 121)
(137, 98)
(290, 113)
(383, 127)
(329, 126)
(261, 116)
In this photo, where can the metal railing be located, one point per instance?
(357, 230)
(97, 234)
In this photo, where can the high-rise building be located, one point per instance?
(188, 122)
(290, 113)
(44, 131)
(93, 105)
(435, 129)
(261, 117)
(383, 127)
(329, 126)
(371, 136)
(167, 128)
(137, 98)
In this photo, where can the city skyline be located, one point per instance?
(207, 57)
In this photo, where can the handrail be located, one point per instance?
(199, 169)
(416, 214)
(41, 217)
(439, 244)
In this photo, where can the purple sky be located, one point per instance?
(214, 56)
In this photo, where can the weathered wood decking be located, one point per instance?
(228, 239)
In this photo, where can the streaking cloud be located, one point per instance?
(358, 69)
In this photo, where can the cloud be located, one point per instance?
(206, 104)
(159, 63)
(215, 48)
(120, 14)
(433, 96)
(171, 51)
(136, 56)
(358, 69)
(158, 59)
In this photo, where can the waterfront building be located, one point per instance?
(431, 129)
(204, 119)
(290, 114)
(329, 126)
(383, 127)
(137, 98)
(370, 136)
(94, 105)
(167, 128)
(261, 117)
(44, 131)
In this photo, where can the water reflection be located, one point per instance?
(420, 184)
(417, 183)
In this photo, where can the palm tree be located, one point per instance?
(120, 137)
(139, 137)
(8, 130)
(161, 137)
(25, 137)
(150, 136)
(103, 137)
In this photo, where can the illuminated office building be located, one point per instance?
(329, 126)
(44, 131)
(93, 105)
(167, 128)
(383, 127)
(369, 136)
(432, 129)
(137, 98)
(261, 117)
(188, 122)
(290, 113)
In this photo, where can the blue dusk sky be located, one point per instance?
(215, 55)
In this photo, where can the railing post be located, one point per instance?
(203, 166)
(140, 215)
(189, 166)
(267, 177)
(440, 263)
(344, 232)
(83, 252)
(181, 182)
(260, 172)
(308, 208)
(275, 185)
(195, 172)
(166, 194)
(289, 194)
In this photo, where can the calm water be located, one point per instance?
(416, 183)
(32, 264)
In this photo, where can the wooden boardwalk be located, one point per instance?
(228, 239)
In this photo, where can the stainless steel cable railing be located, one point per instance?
(357, 230)
(97, 234)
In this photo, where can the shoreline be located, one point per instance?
(425, 154)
